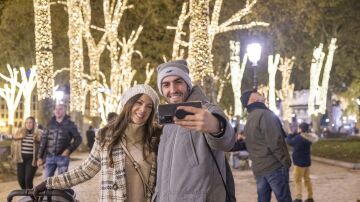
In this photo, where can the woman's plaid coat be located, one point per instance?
(113, 181)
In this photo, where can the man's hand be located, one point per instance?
(66, 153)
(39, 162)
(202, 120)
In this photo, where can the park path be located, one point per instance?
(331, 184)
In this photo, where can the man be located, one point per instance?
(267, 149)
(186, 170)
(59, 140)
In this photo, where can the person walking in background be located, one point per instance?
(187, 171)
(24, 149)
(301, 142)
(265, 142)
(59, 140)
(124, 152)
(90, 136)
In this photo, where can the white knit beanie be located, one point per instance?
(173, 68)
(140, 89)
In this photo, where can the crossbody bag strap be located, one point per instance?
(217, 166)
(137, 168)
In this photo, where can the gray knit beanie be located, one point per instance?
(173, 68)
(140, 89)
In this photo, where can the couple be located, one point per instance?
(124, 150)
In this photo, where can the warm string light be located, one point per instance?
(77, 98)
(287, 89)
(177, 52)
(318, 94)
(43, 49)
(11, 92)
(94, 53)
(202, 33)
(237, 71)
(326, 76)
(28, 84)
(222, 81)
(315, 69)
(200, 58)
(272, 69)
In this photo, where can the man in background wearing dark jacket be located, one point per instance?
(265, 142)
(59, 140)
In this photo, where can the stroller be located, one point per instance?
(51, 195)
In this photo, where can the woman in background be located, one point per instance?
(24, 150)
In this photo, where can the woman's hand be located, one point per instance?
(39, 188)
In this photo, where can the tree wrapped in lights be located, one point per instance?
(43, 48)
(237, 71)
(202, 33)
(272, 69)
(287, 89)
(178, 52)
(76, 56)
(94, 50)
(44, 59)
(11, 92)
(318, 94)
(28, 83)
(222, 81)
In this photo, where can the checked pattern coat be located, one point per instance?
(113, 180)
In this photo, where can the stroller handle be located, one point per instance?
(47, 193)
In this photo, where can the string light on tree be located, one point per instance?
(318, 94)
(28, 84)
(272, 69)
(11, 92)
(286, 92)
(43, 48)
(237, 72)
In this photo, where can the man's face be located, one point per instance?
(174, 89)
(59, 111)
(256, 97)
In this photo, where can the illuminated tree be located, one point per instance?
(77, 98)
(272, 69)
(287, 89)
(318, 94)
(94, 51)
(202, 33)
(28, 83)
(11, 92)
(237, 73)
(44, 58)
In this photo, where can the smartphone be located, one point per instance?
(167, 112)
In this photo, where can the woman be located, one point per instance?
(131, 138)
(24, 150)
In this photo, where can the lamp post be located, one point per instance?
(254, 53)
(59, 96)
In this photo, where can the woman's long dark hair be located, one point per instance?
(113, 132)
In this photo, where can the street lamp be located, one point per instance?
(254, 53)
(59, 95)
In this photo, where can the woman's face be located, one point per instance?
(141, 110)
(29, 124)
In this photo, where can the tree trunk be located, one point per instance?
(199, 50)
(45, 111)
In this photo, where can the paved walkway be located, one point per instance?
(331, 184)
